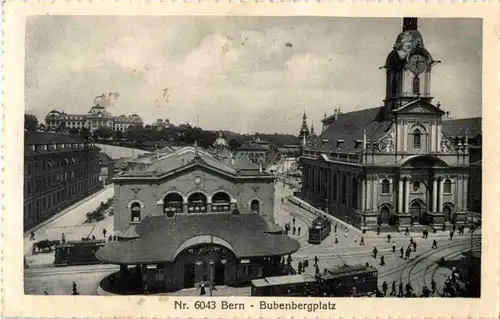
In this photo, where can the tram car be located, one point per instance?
(319, 230)
(341, 281)
(81, 252)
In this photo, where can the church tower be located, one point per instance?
(304, 132)
(408, 68)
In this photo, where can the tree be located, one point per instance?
(103, 132)
(234, 144)
(85, 133)
(118, 135)
(30, 122)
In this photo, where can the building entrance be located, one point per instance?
(416, 211)
(189, 278)
(220, 273)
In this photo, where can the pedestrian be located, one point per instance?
(110, 238)
(335, 228)
(93, 237)
(74, 289)
(300, 266)
(104, 232)
(384, 288)
(293, 230)
(444, 227)
(434, 230)
(408, 252)
(362, 241)
(114, 237)
(426, 233)
(293, 220)
(63, 239)
(305, 264)
(454, 227)
(375, 252)
(400, 290)
(414, 246)
(407, 231)
(298, 231)
(382, 261)
(434, 244)
(289, 259)
(32, 236)
(451, 234)
(282, 200)
(393, 288)
(336, 239)
(388, 238)
(402, 251)
(202, 289)
(317, 270)
(346, 230)
(411, 240)
(423, 233)
(433, 285)
(316, 260)
(378, 229)
(393, 246)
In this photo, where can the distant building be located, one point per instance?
(59, 169)
(161, 124)
(256, 151)
(289, 151)
(190, 217)
(97, 117)
(400, 164)
(107, 166)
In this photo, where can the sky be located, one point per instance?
(243, 74)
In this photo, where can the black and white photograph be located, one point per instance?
(253, 156)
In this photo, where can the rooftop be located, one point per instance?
(44, 138)
(247, 235)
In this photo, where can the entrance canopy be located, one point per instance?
(161, 239)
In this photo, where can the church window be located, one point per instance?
(135, 211)
(416, 186)
(416, 85)
(417, 139)
(447, 186)
(385, 186)
(255, 206)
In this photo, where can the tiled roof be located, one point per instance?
(161, 237)
(40, 138)
(350, 128)
(457, 127)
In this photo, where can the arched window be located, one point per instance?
(447, 186)
(220, 202)
(416, 85)
(386, 186)
(172, 204)
(135, 212)
(255, 206)
(197, 203)
(417, 139)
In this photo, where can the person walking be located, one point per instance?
(293, 230)
(32, 236)
(434, 244)
(454, 227)
(402, 250)
(299, 268)
(384, 288)
(451, 234)
(393, 288)
(202, 289)
(293, 220)
(336, 239)
(382, 261)
(316, 260)
(408, 252)
(346, 230)
(298, 231)
(444, 227)
(388, 238)
(414, 246)
(335, 228)
(411, 240)
(317, 270)
(63, 239)
(378, 230)
(375, 252)
(104, 232)
(407, 231)
(433, 286)
(362, 241)
(400, 290)
(393, 246)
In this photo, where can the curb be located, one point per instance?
(64, 211)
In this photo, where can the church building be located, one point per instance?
(395, 164)
(190, 217)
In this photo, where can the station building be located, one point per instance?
(400, 164)
(191, 217)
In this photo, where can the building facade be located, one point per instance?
(97, 117)
(394, 164)
(107, 166)
(217, 218)
(256, 151)
(59, 169)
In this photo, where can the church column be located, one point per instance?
(434, 194)
(363, 195)
(369, 186)
(440, 204)
(465, 206)
(458, 194)
(400, 195)
(374, 190)
(405, 139)
(407, 194)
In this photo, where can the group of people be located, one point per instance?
(293, 228)
(404, 290)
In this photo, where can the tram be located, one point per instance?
(319, 230)
(81, 252)
(340, 281)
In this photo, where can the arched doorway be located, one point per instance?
(197, 203)
(255, 206)
(221, 202)
(416, 210)
(172, 204)
(385, 214)
(448, 212)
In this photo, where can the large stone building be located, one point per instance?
(191, 217)
(97, 117)
(256, 151)
(59, 169)
(396, 164)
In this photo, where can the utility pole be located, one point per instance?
(211, 263)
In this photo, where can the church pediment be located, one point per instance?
(419, 107)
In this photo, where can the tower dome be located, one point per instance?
(221, 142)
